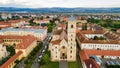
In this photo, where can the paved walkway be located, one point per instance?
(63, 64)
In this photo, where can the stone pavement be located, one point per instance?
(63, 64)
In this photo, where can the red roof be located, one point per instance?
(4, 25)
(84, 56)
(93, 32)
(12, 59)
(103, 52)
(26, 40)
(56, 42)
(83, 39)
(90, 63)
(85, 59)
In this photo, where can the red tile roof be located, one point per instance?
(4, 25)
(90, 63)
(26, 40)
(83, 39)
(56, 42)
(83, 56)
(103, 52)
(10, 60)
(93, 32)
(85, 59)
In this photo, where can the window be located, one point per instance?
(71, 26)
(56, 56)
(71, 51)
(63, 47)
(71, 39)
(71, 47)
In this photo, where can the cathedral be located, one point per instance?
(63, 44)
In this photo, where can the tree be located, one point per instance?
(84, 26)
(47, 17)
(95, 38)
(11, 50)
(17, 61)
(45, 59)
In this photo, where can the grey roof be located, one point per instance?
(71, 18)
(26, 29)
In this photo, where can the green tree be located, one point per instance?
(95, 38)
(11, 50)
(45, 59)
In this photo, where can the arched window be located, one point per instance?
(63, 47)
(71, 26)
(71, 47)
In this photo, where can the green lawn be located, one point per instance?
(72, 65)
(51, 65)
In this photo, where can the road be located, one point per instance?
(45, 43)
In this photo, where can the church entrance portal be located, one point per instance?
(63, 53)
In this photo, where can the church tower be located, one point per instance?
(71, 53)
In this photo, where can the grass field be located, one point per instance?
(72, 65)
(51, 65)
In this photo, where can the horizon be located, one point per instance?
(60, 3)
(57, 7)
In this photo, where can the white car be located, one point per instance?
(43, 50)
(40, 56)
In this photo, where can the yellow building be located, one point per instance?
(23, 46)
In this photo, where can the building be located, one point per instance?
(23, 46)
(106, 40)
(118, 31)
(39, 33)
(99, 44)
(3, 51)
(63, 44)
(4, 25)
(6, 15)
(88, 62)
(41, 21)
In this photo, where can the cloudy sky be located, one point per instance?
(59, 3)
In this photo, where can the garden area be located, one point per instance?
(73, 65)
(46, 63)
(108, 23)
(51, 65)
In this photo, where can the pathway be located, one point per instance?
(63, 64)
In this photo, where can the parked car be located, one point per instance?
(43, 50)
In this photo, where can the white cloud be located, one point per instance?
(5, 1)
(60, 3)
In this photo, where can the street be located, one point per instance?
(36, 63)
(45, 43)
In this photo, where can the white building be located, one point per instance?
(110, 43)
(5, 15)
(39, 33)
(3, 51)
(63, 44)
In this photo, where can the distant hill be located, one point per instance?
(57, 10)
